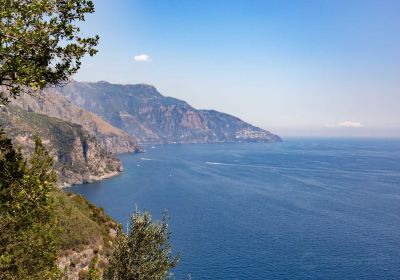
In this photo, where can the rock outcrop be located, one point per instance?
(78, 156)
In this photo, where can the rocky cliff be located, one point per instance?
(52, 104)
(78, 156)
(142, 111)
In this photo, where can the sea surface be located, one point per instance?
(302, 209)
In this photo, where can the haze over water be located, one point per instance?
(302, 209)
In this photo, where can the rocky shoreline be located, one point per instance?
(91, 179)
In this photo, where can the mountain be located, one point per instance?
(142, 111)
(78, 156)
(52, 104)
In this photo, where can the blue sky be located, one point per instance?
(297, 68)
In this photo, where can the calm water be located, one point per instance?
(303, 209)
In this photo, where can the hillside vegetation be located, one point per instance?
(86, 233)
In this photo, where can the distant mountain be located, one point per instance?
(52, 104)
(142, 111)
(78, 156)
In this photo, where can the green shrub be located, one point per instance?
(28, 244)
(144, 252)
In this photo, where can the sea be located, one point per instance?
(301, 209)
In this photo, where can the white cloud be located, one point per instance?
(346, 124)
(142, 58)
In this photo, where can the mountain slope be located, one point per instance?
(142, 111)
(78, 156)
(86, 232)
(55, 105)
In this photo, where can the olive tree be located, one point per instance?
(40, 43)
(40, 46)
(28, 245)
(144, 252)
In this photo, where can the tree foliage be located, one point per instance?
(40, 43)
(144, 252)
(28, 247)
(41, 46)
(94, 272)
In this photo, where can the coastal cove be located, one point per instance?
(301, 209)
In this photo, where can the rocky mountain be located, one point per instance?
(78, 156)
(142, 111)
(52, 104)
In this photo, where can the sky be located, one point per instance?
(296, 68)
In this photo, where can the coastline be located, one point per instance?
(105, 176)
(90, 180)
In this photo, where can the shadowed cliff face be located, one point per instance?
(142, 111)
(78, 156)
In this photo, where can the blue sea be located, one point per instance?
(302, 209)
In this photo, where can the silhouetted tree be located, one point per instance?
(40, 44)
(28, 247)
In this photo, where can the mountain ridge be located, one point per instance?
(140, 110)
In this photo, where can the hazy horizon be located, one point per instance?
(327, 69)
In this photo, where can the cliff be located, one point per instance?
(142, 111)
(52, 104)
(78, 156)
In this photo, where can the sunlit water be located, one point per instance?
(303, 209)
